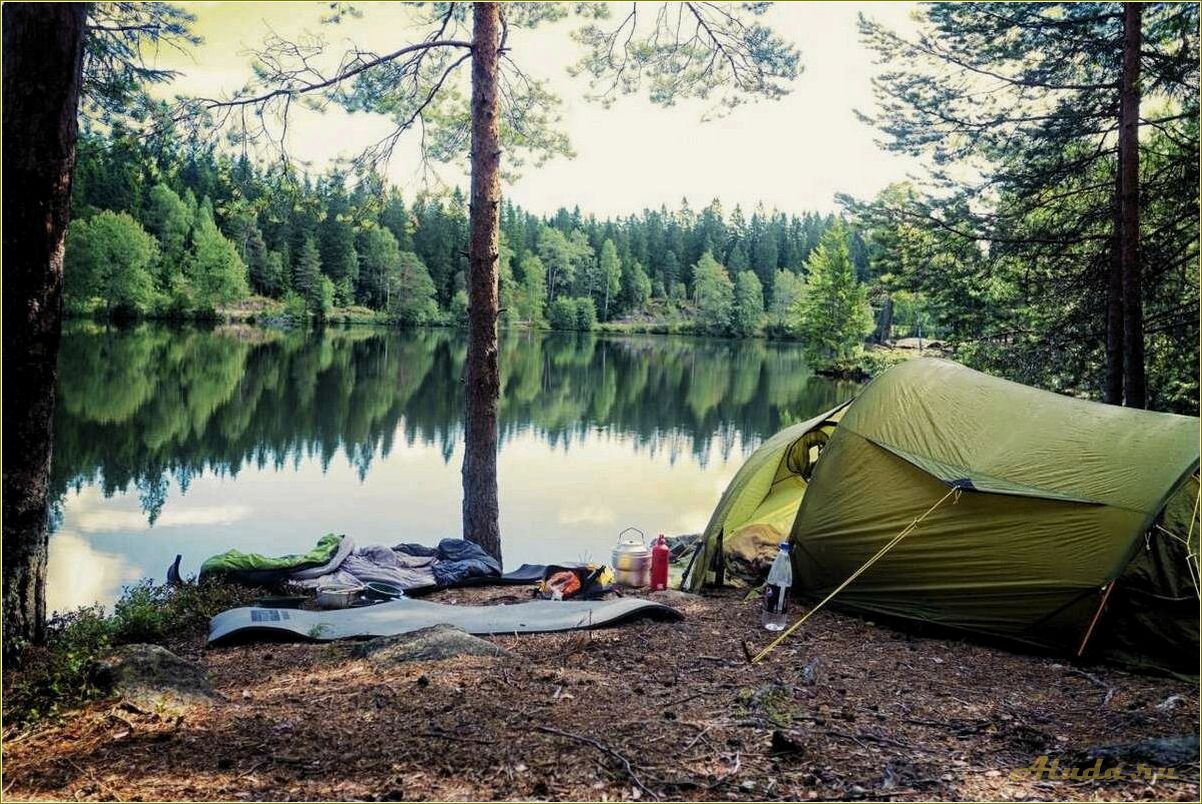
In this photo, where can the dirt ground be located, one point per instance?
(846, 709)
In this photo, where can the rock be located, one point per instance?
(785, 742)
(435, 642)
(670, 596)
(153, 679)
(1164, 752)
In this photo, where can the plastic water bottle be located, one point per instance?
(776, 590)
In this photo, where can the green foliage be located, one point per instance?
(573, 314)
(610, 274)
(787, 288)
(1011, 236)
(558, 260)
(49, 680)
(749, 304)
(118, 66)
(213, 268)
(306, 278)
(379, 266)
(532, 297)
(269, 215)
(715, 295)
(322, 301)
(459, 308)
(562, 313)
(110, 257)
(296, 307)
(169, 219)
(586, 314)
(832, 316)
(637, 287)
(413, 292)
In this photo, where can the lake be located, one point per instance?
(192, 441)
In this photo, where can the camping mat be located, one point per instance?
(405, 615)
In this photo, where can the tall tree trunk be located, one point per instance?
(1134, 386)
(481, 511)
(1114, 304)
(43, 56)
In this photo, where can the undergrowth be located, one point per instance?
(46, 681)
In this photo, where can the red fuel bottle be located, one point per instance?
(660, 555)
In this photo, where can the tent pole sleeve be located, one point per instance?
(906, 531)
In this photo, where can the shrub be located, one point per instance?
(46, 681)
(296, 309)
(586, 315)
(562, 314)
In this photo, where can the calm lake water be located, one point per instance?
(193, 441)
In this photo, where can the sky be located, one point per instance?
(794, 154)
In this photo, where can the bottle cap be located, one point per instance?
(784, 546)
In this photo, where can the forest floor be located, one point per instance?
(844, 709)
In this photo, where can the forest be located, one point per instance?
(1006, 253)
(175, 228)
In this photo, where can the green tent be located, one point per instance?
(1073, 517)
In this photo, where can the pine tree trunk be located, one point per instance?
(1114, 309)
(1135, 391)
(481, 377)
(43, 55)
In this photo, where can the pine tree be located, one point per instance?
(413, 294)
(1042, 102)
(306, 276)
(832, 317)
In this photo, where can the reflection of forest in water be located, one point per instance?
(142, 406)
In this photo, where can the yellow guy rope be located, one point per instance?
(889, 546)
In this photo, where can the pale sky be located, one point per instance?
(794, 154)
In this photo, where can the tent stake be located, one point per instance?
(1096, 615)
(889, 546)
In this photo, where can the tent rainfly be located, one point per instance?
(1076, 529)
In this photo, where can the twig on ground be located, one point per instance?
(600, 746)
(1090, 677)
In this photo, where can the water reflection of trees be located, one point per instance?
(140, 406)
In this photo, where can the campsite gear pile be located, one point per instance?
(632, 559)
(661, 555)
(337, 560)
(342, 575)
(338, 595)
(776, 591)
(583, 581)
(1073, 525)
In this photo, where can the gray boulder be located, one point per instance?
(153, 679)
(427, 644)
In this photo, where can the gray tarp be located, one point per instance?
(403, 616)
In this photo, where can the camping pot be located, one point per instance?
(632, 559)
(337, 595)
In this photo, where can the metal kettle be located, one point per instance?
(632, 559)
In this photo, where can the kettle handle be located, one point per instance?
(642, 536)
